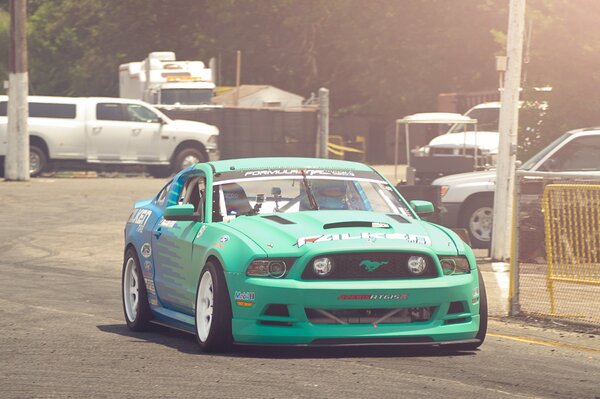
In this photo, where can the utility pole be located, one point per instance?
(323, 132)
(238, 72)
(508, 127)
(17, 155)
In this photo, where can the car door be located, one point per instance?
(108, 134)
(172, 242)
(145, 126)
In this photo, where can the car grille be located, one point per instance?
(454, 151)
(369, 316)
(360, 266)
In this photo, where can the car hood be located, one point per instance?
(294, 234)
(485, 140)
(466, 178)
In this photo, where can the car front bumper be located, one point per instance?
(251, 325)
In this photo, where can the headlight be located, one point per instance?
(267, 268)
(322, 267)
(455, 265)
(417, 265)
(423, 151)
(213, 140)
(443, 190)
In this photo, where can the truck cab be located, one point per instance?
(105, 130)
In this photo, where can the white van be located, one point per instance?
(110, 130)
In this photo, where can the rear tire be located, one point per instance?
(133, 291)
(187, 157)
(38, 160)
(213, 311)
(477, 218)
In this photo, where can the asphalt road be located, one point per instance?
(62, 332)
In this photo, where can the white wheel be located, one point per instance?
(477, 217)
(204, 306)
(213, 310)
(480, 223)
(37, 160)
(135, 301)
(131, 294)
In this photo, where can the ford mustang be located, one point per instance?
(297, 251)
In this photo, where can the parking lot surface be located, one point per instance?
(62, 332)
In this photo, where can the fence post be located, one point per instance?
(323, 132)
(513, 290)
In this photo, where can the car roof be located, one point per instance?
(286, 163)
(61, 100)
(593, 130)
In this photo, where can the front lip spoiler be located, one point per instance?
(339, 343)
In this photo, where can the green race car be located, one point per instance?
(298, 251)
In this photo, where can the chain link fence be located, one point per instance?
(557, 247)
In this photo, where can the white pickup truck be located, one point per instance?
(468, 198)
(110, 130)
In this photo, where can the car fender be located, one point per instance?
(233, 250)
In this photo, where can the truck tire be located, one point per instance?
(477, 218)
(187, 157)
(37, 160)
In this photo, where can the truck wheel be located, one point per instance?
(187, 157)
(37, 160)
(477, 218)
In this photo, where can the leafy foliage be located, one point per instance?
(378, 56)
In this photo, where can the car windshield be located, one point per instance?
(285, 194)
(537, 157)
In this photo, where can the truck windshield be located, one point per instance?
(487, 121)
(186, 96)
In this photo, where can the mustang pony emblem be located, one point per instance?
(371, 266)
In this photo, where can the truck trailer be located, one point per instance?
(162, 80)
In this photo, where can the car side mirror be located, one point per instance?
(184, 212)
(421, 207)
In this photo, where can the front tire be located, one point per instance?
(483, 318)
(477, 218)
(37, 160)
(187, 157)
(213, 310)
(133, 290)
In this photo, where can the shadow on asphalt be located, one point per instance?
(186, 343)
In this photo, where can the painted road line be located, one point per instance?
(535, 341)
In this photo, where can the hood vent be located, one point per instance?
(278, 219)
(357, 224)
(398, 218)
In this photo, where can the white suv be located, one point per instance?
(468, 198)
